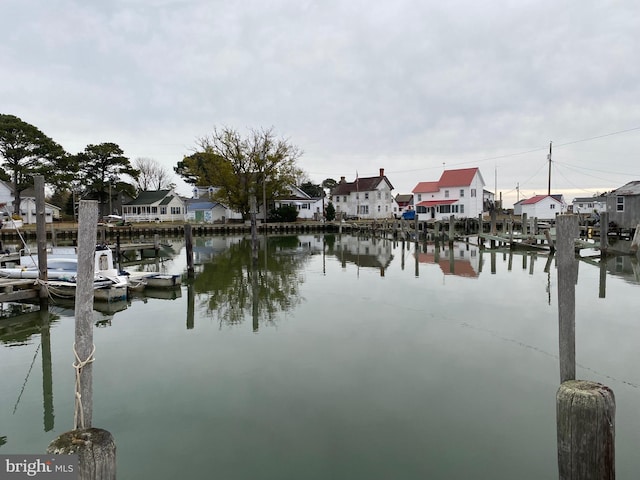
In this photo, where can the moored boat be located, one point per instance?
(62, 268)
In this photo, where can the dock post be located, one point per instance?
(604, 232)
(41, 239)
(188, 239)
(95, 447)
(524, 224)
(586, 413)
(452, 229)
(585, 410)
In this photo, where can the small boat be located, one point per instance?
(62, 268)
(155, 280)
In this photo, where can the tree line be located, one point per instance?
(238, 167)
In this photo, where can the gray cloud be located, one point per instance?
(406, 85)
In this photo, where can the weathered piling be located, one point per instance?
(41, 239)
(188, 240)
(586, 431)
(567, 230)
(604, 232)
(585, 411)
(95, 447)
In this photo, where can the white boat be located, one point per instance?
(154, 279)
(62, 268)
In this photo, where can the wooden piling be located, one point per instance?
(95, 447)
(188, 239)
(567, 231)
(604, 232)
(41, 239)
(586, 431)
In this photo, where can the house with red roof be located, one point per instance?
(543, 207)
(458, 192)
(366, 197)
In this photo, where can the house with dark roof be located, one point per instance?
(458, 192)
(308, 207)
(157, 205)
(623, 205)
(366, 197)
(544, 207)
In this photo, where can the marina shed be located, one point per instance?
(623, 205)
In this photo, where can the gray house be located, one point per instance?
(623, 205)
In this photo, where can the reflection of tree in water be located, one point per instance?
(237, 288)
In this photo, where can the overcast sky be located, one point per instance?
(412, 86)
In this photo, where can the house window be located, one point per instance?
(163, 210)
(175, 210)
(344, 198)
(619, 204)
(419, 197)
(461, 208)
(378, 208)
(366, 196)
(337, 199)
(552, 206)
(305, 206)
(364, 209)
(379, 195)
(461, 192)
(473, 192)
(446, 194)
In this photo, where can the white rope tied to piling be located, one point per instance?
(79, 365)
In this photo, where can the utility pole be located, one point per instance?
(549, 158)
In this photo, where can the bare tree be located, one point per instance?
(153, 176)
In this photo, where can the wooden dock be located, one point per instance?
(17, 290)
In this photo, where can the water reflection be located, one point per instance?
(456, 258)
(363, 252)
(234, 287)
(17, 330)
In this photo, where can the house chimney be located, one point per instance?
(382, 172)
(342, 180)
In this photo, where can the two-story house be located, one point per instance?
(366, 197)
(458, 192)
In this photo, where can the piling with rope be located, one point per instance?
(95, 447)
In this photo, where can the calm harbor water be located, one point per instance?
(337, 358)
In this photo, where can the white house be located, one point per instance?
(158, 205)
(28, 211)
(543, 207)
(367, 197)
(589, 205)
(458, 192)
(309, 208)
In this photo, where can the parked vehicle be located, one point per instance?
(409, 215)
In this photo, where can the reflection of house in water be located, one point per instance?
(625, 266)
(366, 253)
(460, 259)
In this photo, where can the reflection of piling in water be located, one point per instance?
(95, 447)
(585, 411)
